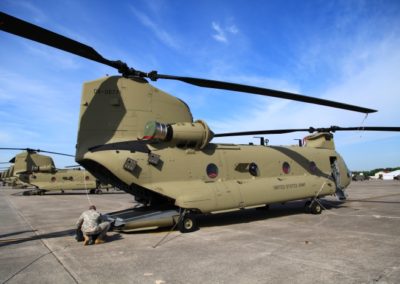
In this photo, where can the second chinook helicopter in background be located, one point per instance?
(145, 142)
(34, 169)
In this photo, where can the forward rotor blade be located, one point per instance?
(310, 130)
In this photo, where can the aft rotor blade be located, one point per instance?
(310, 130)
(30, 31)
(261, 91)
(361, 128)
(259, 132)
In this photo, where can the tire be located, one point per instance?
(188, 224)
(92, 191)
(316, 208)
(98, 191)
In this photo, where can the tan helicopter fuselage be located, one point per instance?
(33, 169)
(186, 170)
(61, 179)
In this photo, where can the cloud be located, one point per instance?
(158, 31)
(221, 33)
(37, 15)
(367, 77)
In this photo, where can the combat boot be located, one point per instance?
(87, 240)
(99, 241)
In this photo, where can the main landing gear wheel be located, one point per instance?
(187, 223)
(313, 207)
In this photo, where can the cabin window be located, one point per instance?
(253, 169)
(313, 167)
(53, 179)
(212, 171)
(286, 168)
(34, 177)
(86, 177)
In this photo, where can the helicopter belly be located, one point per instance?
(236, 194)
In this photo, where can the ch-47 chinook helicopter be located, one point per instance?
(9, 178)
(39, 171)
(145, 142)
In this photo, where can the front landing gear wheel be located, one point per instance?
(187, 224)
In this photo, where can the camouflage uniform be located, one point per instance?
(90, 223)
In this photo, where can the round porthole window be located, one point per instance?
(86, 177)
(53, 179)
(253, 169)
(313, 167)
(212, 171)
(286, 168)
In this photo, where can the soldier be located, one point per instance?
(90, 222)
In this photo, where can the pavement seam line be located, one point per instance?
(42, 241)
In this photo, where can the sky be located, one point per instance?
(347, 51)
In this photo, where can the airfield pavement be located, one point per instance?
(353, 242)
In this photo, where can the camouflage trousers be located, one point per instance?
(101, 229)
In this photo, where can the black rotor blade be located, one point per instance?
(261, 91)
(30, 31)
(37, 151)
(259, 132)
(56, 153)
(27, 30)
(310, 129)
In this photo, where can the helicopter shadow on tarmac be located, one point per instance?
(58, 234)
(58, 193)
(253, 215)
(51, 235)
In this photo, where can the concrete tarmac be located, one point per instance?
(353, 242)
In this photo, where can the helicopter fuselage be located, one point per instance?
(207, 178)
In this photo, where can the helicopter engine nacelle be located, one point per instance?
(184, 134)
